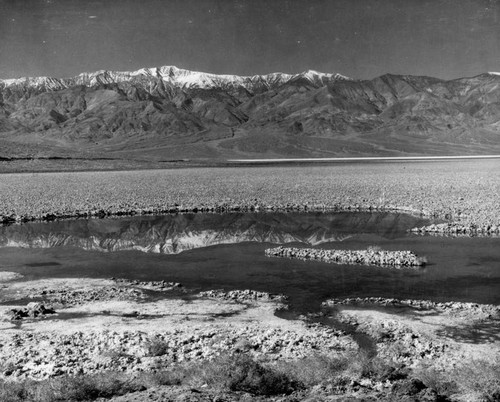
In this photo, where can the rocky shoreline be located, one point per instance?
(458, 229)
(216, 209)
(243, 296)
(452, 308)
(369, 256)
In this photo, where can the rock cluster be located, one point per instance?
(32, 310)
(458, 229)
(75, 297)
(367, 257)
(151, 285)
(242, 295)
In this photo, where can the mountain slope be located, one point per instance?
(170, 113)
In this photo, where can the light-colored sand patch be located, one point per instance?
(59, 283)
(35, 288)
(120, 316)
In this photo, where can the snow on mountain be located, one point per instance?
(175, 76)
(35, 82)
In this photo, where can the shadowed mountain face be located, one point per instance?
(165, 113)
(172, 234)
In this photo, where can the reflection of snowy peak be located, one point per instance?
(154, 242)
(173, 234)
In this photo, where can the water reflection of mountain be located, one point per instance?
(176, 233)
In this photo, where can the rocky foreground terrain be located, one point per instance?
(95, 325)
(159, 341)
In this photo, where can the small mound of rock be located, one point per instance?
(370, 256)
(458, 229)
(242, 295)
(32, 310)
(150, 285)
(72, 297)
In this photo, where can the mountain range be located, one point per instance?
(168, 113)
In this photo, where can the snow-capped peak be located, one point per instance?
(319, 77)
(494, 73)
(175, 76)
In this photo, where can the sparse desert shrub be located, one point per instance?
(13, 392)
(437, 380)
(478, 380)
(241, 373)
(156, 347)
(362, 364)
(115, 355)
(314, 370)
(66, 388)
(231, 372)
(359, 364)
(170, 376)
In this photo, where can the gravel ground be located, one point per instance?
(462, 191)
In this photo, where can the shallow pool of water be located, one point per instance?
(211, 251)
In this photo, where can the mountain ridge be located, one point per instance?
(167, 112)
(173, 75)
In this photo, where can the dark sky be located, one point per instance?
(358, 38)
